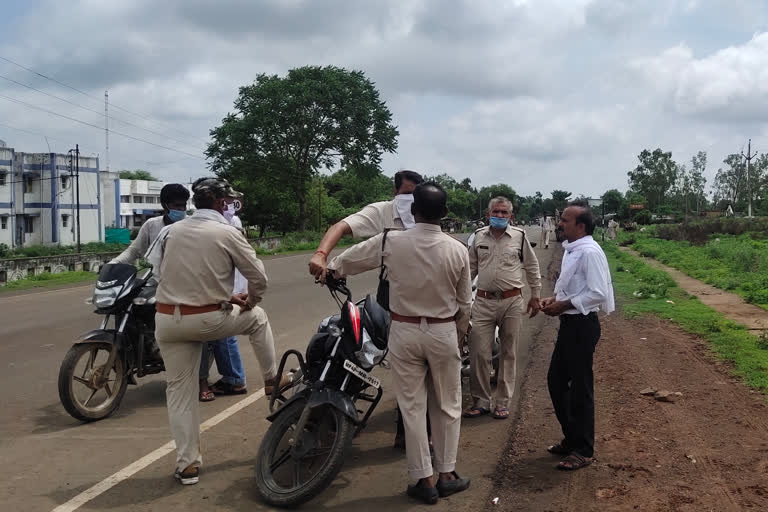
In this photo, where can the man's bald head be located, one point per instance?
(429, 202)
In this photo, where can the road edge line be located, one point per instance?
(133, 468)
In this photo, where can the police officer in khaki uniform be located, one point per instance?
(498, 256)
(195, 261)
(430, 294)
(370, 221)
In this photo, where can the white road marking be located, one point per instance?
(130, 470)
(38, 292)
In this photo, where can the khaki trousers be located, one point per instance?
(545, 237)
(487, 314)
(180, 338)
(426, 367)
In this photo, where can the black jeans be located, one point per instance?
(571, 383)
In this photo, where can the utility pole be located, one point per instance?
(77, 192)
(106, 126)
(748, 157)
(319, 204)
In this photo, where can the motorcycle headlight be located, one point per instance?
(103, 298)
(369, 355)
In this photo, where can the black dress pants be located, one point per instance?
(571, 382)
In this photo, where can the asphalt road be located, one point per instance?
(48, 457)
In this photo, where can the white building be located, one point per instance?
(38, 199)
(129, 203)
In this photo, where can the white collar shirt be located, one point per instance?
(585, 278)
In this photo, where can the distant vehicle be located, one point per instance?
(450, 224)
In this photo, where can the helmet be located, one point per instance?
(215, 187)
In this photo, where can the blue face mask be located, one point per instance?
(176, 215)
(499, 222)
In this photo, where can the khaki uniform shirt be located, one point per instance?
(374, 219)
(497, 265)
(197, 261)
(428, 272)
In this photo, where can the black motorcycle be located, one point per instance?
(314, 421)
(99, 366)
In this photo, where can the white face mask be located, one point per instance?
(403, 204)
(229, 213)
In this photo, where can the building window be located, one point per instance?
(2, 179)
(65, 220)
(64, 181)
(29, 225)
(138, 199)
(30, 182)
(125, 199)
(3, 222)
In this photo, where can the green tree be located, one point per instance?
(284, 129)
(265, 205)
(461, 204)
(322, 209)
(444, 180)
(560, 199)
(654, 176)
(137, 174)
(355, 188)
(730, 183)
(500, 189)
(613, 200)
(696, 179)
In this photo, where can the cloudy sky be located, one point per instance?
(539, 94)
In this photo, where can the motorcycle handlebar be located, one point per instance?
(337, 284)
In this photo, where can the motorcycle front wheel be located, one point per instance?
(289, 474)
(87, 389)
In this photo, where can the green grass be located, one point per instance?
(737, 263)
(297, 242)
(645, 290)
(37, 251)
(47, 280)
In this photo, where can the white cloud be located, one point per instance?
(536, 92)
(730, 84)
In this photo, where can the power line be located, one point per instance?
(96, 111)
(42, 135)
(99, 127)
(97, 99)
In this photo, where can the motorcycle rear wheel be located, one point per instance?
(280, 468)
(80, 392)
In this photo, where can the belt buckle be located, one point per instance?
(497, 294)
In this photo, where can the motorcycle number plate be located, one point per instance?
(361, 374)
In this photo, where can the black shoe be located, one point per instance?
(448, 487)
(189, 476)
(428, 495)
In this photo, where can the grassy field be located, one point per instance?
(48, 280)
(738, 263)
(296, 242)
(642, 289)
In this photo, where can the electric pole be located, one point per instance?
(77, 192)
(748, 157)
(106, 126)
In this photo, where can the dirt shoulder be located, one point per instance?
(706, 451)
(727, 303)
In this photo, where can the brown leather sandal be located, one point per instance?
(574, 461)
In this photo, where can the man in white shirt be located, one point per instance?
(173, 199)
(583, 288)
